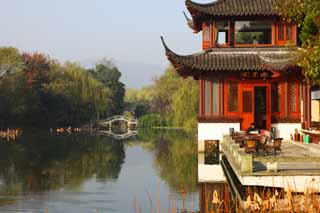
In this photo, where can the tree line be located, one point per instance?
(38, 91)
(170, 101)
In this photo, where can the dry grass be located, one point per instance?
(282, 201)
(157, 208)
(10, 134)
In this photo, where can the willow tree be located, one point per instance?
(79, 96)
(12, 85)
(185, 105)
(163, 89)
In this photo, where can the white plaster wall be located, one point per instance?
(209, 173)
(283, 130)
(213, 131)
(315, 110)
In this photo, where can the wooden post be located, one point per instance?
(308, 111)
(286, 101)
(201, 102)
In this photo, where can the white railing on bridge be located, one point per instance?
(112, 119)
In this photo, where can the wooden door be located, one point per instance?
(247, 106)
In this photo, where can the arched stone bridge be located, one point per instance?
(106, 129)
(109, 121)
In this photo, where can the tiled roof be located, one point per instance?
(229, 8)
(221, 60)
(234, 8)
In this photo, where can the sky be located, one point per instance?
(126, 31)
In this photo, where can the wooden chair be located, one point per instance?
(276, 146)
(250, 146)
(262, 142)
(239, 140)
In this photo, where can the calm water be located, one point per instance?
(78, 173)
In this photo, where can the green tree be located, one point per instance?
(163, 89)
(138, 101)
(38, 91)
(37, 69)
(10, 61)
(172, 102)
(185, 105)
(12, 86)
(81, 95)
(306, 13)
(109, 75)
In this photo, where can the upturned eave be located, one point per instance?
(223, 61)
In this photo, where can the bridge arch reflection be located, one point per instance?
(105, 127)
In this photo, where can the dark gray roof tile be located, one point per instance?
(232, 60)
(234, 8)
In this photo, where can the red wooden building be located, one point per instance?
(246, 70)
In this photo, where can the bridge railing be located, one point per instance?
(118, 118)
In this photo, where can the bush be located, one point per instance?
(152, 120)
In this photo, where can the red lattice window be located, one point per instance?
(232, 97)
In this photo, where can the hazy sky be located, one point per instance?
(82, 30)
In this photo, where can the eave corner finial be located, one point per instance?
(167, 49)
(164, 43)
(185, 15)
(189, 21)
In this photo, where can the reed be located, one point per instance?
(10, 134)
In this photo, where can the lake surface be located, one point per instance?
(81, 173)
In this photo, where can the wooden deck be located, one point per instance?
(297, 167)
(295, 159)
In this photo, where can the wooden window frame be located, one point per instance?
(215, 34)
(297, 99)
(285, 39)
(283, 97)
(209, 112)
(226, 95)
(253, 45)
(203, 96)
(206, 44)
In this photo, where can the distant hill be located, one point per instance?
(136, 74)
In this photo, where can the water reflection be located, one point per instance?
(81, 173)
(40, 162)
(176, 158)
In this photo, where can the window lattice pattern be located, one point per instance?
(232, 97)
(293, 97)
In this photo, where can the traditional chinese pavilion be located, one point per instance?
(246, 70)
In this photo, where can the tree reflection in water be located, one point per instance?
(41, 162)
(176, 158)
(88, 169)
